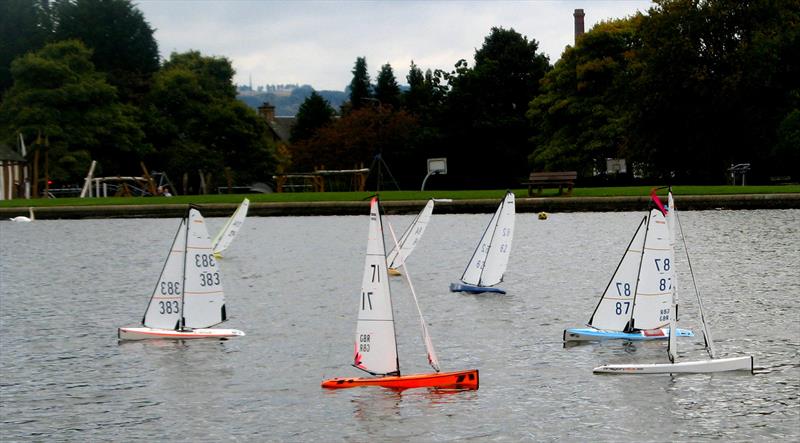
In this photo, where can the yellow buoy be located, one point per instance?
(542, 215)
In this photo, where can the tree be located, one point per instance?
(386, 90)
(196, 123)
(314, 113)
(715, 83)
(581, 117)
(359, 86)
(485, 110)
(58, 95)
(122, 41)
(24, 27)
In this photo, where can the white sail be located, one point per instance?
(616, 305)
(375, 344)
(398, 255)
(433, 360)
(490, 259)
(652, 303)
(203, 296)
(164, 308)
(231, 228)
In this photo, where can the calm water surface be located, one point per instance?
(293, 285)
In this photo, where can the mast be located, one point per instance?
(630, 326)
(183, 277)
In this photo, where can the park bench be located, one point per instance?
(541, 180)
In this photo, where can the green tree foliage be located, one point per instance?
(58, 95)
(716, 83)
(581, 116)
(386, 89)
(24, 27)
(484, 114)
(314, 113)
(360, 88)
(196, 123)
(122, 41)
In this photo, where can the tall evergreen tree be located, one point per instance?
(314, 113)
(359, 86)
(386, 90)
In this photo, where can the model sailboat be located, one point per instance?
(636, 303)
(188, 298)
(231, 228)
(375, 341)
(490, 259)
(408, 241)
(713, 364)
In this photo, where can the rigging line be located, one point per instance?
(706, 334)
(425, 335)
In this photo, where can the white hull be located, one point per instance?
(145, 333)
(689, 367)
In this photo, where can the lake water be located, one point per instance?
(293, 285)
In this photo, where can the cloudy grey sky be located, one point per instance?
(317, 42)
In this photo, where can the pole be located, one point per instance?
(87, 182)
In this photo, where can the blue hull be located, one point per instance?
(589, 334)
(472, 289)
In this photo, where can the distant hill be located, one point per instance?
(287, 104)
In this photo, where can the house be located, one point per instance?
(280, 127)
(12, 172)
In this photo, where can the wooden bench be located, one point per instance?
(551, 180)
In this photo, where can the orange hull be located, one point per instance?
(445, 380)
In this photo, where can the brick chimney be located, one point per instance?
(578, 23)
(267, 111)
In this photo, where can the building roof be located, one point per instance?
(282, 127)
(7, 153)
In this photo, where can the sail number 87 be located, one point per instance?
(622, 307)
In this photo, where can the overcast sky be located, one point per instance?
(317, 42)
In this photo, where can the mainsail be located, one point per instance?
(375, 344)
(652, 300)
(203, 297)
(402, 249)
(490, 259)
(231, 228)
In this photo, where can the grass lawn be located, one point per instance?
(393, 195)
